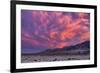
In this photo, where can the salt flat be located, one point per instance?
(38, 58)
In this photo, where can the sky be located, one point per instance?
(41, 30)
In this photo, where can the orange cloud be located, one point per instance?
(53, 35)
(60, 26)
(62, 44)
(67, 35)
(85, 36)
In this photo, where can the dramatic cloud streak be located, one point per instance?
(49, 29)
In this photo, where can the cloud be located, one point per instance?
(85, 36)
(56, 29)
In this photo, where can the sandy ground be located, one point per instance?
(32, 58)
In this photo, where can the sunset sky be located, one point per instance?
(41, 30)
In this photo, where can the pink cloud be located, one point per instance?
(66, 28)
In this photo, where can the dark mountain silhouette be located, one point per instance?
(83, 45)
(82, 49)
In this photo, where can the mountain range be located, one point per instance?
(82, 49)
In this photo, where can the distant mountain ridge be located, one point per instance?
(82, 48)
